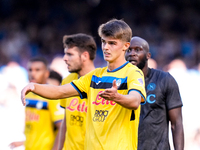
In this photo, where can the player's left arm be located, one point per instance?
(130, 101)
(175, 117)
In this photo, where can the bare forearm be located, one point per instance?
(178, 136)
(49, 91)
(62, 134)
(54, 92)
(128, 101)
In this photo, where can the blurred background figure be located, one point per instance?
(12, 113)
(54, 78)
(188, 81)
(152, 63)
(58, 65)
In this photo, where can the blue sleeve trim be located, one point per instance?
(62, 107)
(138, 92)
(81, 96)
(57, 121)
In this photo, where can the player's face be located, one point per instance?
(72, 58)
(136, 54)
(113, 49)
(37, 72)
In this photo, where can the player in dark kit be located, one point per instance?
(163, 103)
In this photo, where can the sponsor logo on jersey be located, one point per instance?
(31, 116)
(76, 120)
(75, 105)
(150, 99)
(100, 115)
(99, 100)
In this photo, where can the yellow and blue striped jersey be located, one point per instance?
(41, 115)
(75, 109)
(109, 125)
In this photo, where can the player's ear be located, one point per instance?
(126, 46)
(84, 56)
(47, 74)
(148, 55)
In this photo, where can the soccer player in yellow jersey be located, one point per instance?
(80, 51)
(42, 116)
(112, 93)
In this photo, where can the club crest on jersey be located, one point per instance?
(39, 105)
(140, 81)
(151, 86)
(118, 82)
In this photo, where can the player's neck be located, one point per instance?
(116, 64)
(86, 69)
(145, 70)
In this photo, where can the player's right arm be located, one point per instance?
(62, 134)
(49, 91)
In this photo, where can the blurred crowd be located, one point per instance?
(32, 28)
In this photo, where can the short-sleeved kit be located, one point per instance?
(41, 115)
(109, 125)
(75, 109)
(162, 95)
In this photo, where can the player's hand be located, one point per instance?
(16, 144)
(111, 93)
(29, 88)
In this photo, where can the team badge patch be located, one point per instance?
(39, 105)
(118, 82)
(140, 81)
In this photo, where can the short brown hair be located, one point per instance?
(83, 41)
(117, 29)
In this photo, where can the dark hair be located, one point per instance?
(55, 75)
(117, 29)
(83, 41)
(40, 59)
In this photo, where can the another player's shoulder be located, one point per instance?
(69, 78)
(159, 74)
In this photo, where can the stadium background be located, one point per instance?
(172, 28)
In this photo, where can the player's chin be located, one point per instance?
(33, 81)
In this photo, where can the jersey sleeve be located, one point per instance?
(173, 98)
(136, 82)
(63, 101)
(68, 79)
(82, 85)
(56, 112)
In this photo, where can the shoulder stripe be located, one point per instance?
(36, 104)
(106, 82)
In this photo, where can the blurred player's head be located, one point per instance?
(138, 52)
(116, 29)
(79, 49)
(115, 37)
(38, 71)
(54, 78)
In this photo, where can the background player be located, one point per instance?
(80, 51)
(42, 115)
(54, 78)
(112, 93)
(163, 103)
